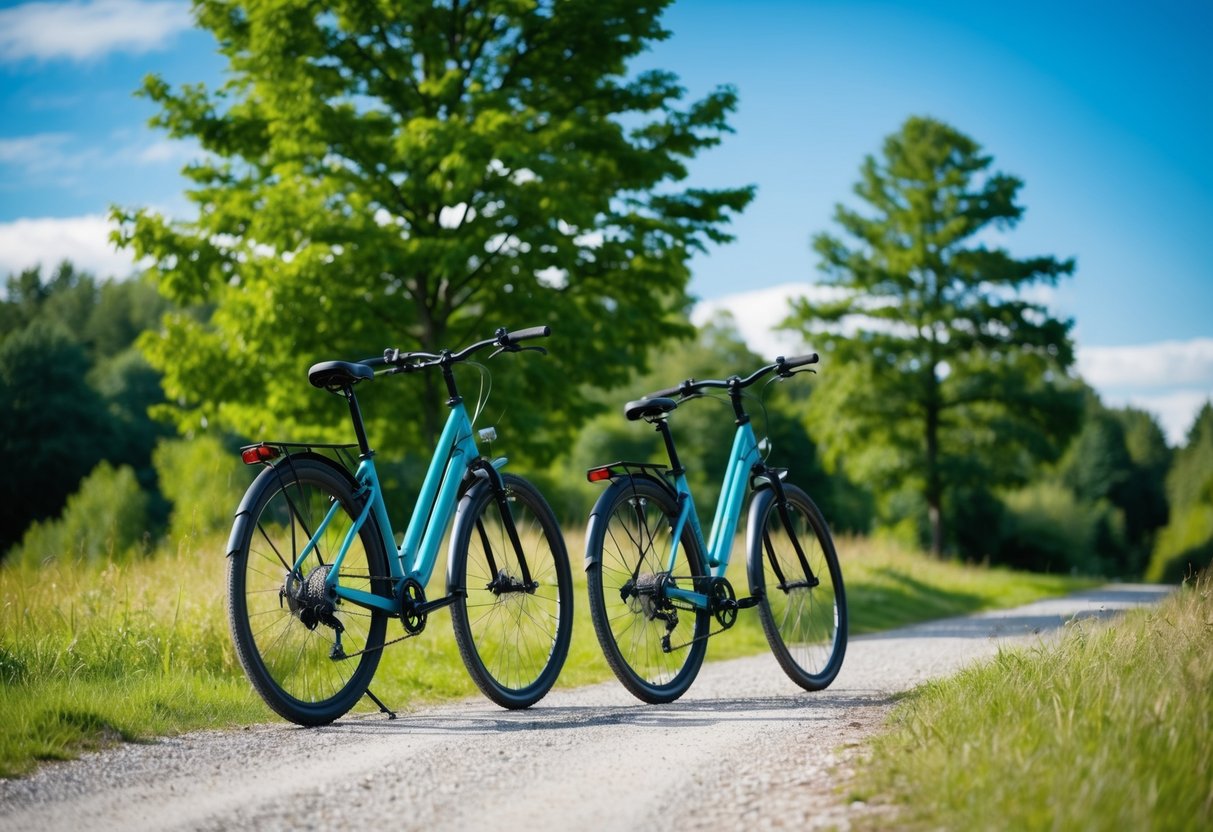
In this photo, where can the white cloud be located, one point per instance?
(22, 150)
(1176, 411)
(25, 243)
(43, 152)
(81, 30)
(757, 313)
(166, 152)
(1165, 364)
(1170, 379)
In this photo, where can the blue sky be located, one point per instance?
(1105, 110)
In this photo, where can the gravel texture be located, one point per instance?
(745, 746)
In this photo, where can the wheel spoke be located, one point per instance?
(514, 640)
(291, 665)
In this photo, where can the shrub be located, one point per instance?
(106, 519)
(1046, 528)
(1184, 546)
(203, 480)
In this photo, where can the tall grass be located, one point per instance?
(1109, 729)
(91, 654)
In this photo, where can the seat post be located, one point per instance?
(663, 427)
(364, 447)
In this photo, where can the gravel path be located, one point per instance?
(745, 745)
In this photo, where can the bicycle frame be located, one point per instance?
(742, 459)
(418, 552)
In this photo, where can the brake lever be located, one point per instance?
(516, 348)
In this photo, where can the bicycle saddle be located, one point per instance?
(648, 408)
(334, 375)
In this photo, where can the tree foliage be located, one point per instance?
(945, 375)
(72, 389)
(106, 519)
(1185, 544)
(415, 175)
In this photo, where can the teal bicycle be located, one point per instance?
(656, 588)
(315, 575)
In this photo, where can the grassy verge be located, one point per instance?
(1109, 729)
(124, 652)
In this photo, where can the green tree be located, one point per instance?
(1185, 544)
(53, 425)
(945, 375)
(72, 390)
(66, 297)
(415, 175)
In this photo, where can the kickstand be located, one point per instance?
(384, 708)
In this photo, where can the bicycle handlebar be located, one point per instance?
(504, 340)
(782, 366)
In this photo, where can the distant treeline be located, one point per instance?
(89, 473)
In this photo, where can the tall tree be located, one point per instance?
(416, 175)
(942, 374)
(53, 425)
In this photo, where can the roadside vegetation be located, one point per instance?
(378, 185)
(93, 654)
(1108, 729)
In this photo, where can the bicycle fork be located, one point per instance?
(503, 582)
(785, 517)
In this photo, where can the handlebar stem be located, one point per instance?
(739, 414)
(448, 375)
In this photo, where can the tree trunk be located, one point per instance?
(934, 488)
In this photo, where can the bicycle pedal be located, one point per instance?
(746, 603)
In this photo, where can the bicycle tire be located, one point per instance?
(630, 534)
(513, 641)
(290, 663)
(806, 627)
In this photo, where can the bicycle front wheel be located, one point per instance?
(654, 648)
(512, 625)
(803, 611)
(309, 654)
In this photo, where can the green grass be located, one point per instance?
(89, 656)
(1111, 728)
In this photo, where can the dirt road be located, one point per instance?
(743, 746)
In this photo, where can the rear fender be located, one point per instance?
(607, 499)
(280, 470)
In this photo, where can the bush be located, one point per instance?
(105, 520)
(203, 480)
(1046, 528)
(1184, 546)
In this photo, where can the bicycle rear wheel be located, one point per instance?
(803, 615)
(307, 653)
(513, 634)
(628, 544)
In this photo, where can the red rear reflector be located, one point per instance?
(259, 453)
(598, 474)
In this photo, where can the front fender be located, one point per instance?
(759, 505)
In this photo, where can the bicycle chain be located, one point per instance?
(703, 637)
(368, 615)
(686, 606)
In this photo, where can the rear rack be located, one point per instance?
(266, 452)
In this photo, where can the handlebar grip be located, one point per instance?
(668, 393)
(799, 361)
(525, 334)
